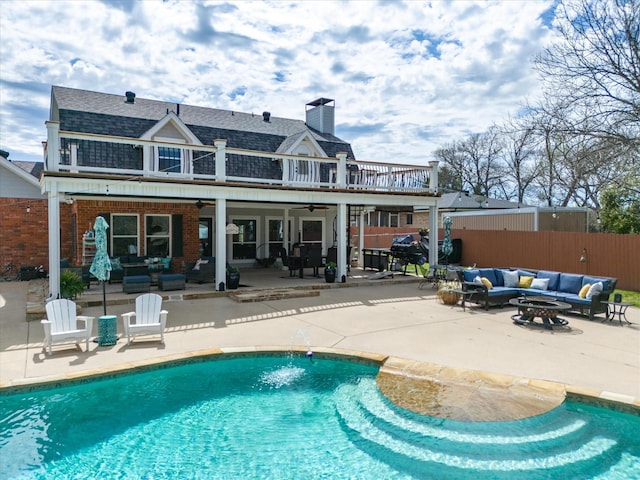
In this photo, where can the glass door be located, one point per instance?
(205, 235)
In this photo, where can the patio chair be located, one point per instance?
(149, 318)
(293, 264)
(63, 325)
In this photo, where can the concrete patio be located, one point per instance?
(378, 318)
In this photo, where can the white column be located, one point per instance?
(53, 206)
(53, 146)
(285, 226)
(433, 176)
(221, 242)
(361, 238)
(73, 157)
(341, 181)
(342, 241)
(433, 235)
(221, 169)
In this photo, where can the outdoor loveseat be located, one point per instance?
(496, 286)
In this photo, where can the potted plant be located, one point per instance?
(233, 277)
(449, 292)
(71, 285)
(423, 232)
(330, 272)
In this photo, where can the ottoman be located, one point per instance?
(171, 281)
(136, 283)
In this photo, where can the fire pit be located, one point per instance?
(545, 308)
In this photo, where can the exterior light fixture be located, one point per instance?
(583, 257)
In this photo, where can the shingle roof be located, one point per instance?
(100, 108)
(460, 201)
(32, 168)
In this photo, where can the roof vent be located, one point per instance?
(4, 154)
(131, 97)
(266, 116)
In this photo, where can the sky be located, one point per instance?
(407, 77)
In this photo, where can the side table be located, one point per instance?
(107, 330)
(619, 309)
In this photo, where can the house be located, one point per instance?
(23, 218)
(185, 181)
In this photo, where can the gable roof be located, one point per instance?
(29, 171)
(108, 114)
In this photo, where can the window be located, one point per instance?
(275, 232)
(312, 231)
(158, 235)
(169, 159)
(409, 218)
(394, 219)
(124, 235)
(244, 242)
(302, 167)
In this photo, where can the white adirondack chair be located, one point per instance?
(149, 318)
(62, 325)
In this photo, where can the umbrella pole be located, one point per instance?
(104, 298)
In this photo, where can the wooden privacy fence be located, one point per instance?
(606, 254)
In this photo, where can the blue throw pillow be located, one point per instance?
(570, 283)
(469, 274)
(115, 264)
(166, 263)
(489, 275)
(554, 278)
(594, 280)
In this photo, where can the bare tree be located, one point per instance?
(520, 158)
(596, 67)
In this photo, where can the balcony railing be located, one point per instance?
(101, 154)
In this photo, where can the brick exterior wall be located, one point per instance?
(24, 236)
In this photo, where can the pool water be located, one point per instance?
(281, 417)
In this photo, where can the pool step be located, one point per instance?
(272, 294)
(425, 446)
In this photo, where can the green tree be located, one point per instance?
(620, 211)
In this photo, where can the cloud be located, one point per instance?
(407, 77)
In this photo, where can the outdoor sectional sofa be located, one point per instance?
(560, 286)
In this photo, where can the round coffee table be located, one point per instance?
(546, 309)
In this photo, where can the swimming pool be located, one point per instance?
(290, 418)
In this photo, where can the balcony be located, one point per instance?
(100, 154)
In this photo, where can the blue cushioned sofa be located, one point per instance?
(561, 286)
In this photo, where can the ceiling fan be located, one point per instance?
(311, 207)
(200, 204)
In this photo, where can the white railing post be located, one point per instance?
(390, 178)
(433, 176)
(341, 181)
(53, 146)
(286, 168)
(73, 157)
(221, 169)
